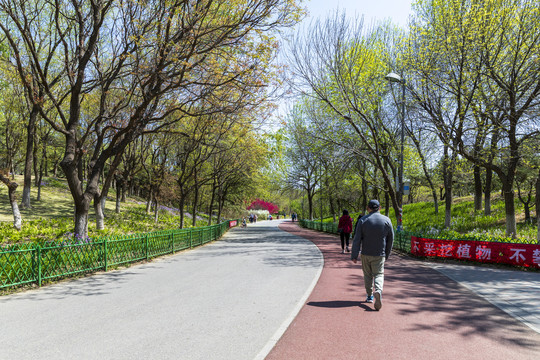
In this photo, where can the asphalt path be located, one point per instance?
(231, 299)
(515, 292)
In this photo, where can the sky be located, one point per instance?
(397, 10)
(372, 10)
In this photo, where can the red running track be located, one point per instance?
(425, 315)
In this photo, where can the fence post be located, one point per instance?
(105, 253)
(38, 255)
(172, 242)
(146, 241)
(191, 238)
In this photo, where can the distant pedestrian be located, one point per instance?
(345, 230)
(255, 218)
(373, 237)
(244, 222)
(358, 220)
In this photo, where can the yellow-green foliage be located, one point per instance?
(51, 219)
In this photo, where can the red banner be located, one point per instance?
(233, 223)
(481, 251)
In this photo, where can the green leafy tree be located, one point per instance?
(139, 62)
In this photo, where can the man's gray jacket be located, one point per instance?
(374, 236)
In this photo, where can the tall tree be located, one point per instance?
(138, 62)
(445, 72)
(342, 64)
(510, 47)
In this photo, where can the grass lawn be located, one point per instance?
(466, 222)
(51, 219)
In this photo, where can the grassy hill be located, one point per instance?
(466, 222)
(51, 219)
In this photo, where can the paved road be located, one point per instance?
(235, 298)
(231, 299)
(425, 314)
(514, 291)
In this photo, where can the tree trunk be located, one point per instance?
(81, 221)
(477, 189)
(181, 211)
(35, 164)
(364, 203)
(149, 200)
(435, 199)
(386, 203)
(211, 206)
(220, 208)
(509, 209)
(80, 171)
(12, 187)
(123, 192)
(332, 208)
(17, 219)
(39, 180)
(448, 208)
(98, 208)
(55, 165)
(310, 205)
(487, 192)
(118, 196)
(30, 134)
(448, 178)
(195, 203)
(527, 210)
(417, 143)
(103, 203)
(156, 212)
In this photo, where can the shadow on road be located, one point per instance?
(421, 293)
(340, 304)
(93, 285)
(422, 300)
(277, 248)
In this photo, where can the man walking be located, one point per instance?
(373, 238)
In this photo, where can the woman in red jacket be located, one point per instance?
(345, 230)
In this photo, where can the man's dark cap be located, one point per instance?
(374, 204)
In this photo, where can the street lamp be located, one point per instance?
(321, 197)
(395, 78)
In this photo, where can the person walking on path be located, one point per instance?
(373, 238)
(345, 230)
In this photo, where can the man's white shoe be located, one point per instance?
(378, 300)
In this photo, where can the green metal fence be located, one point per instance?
(30, 263)
(402, 239)
(320, 226)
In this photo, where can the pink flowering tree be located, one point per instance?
(263, 205)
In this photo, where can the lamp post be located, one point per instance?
(393, 77)
(321, 196)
